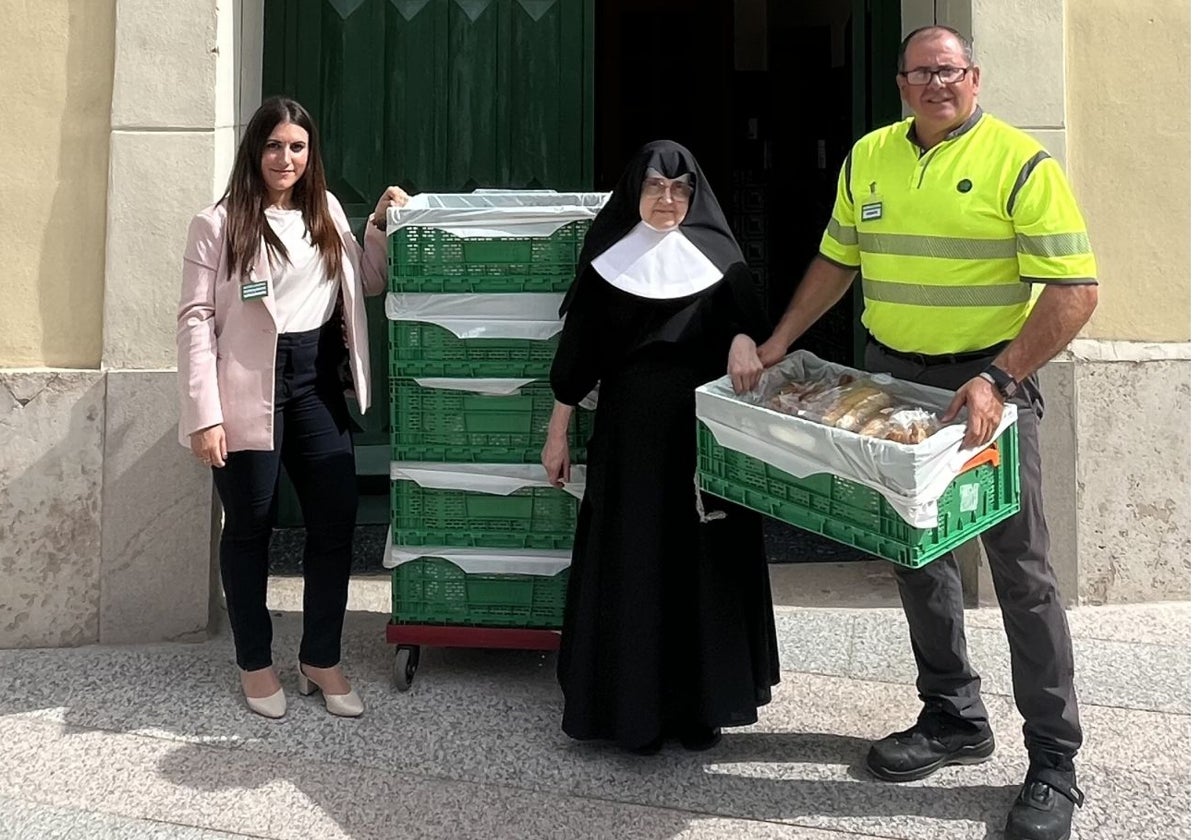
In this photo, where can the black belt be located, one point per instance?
(944, 358)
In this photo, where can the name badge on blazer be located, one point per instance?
(254, 291)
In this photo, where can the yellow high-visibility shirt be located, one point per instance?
(953, 242)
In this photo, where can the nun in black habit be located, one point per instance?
(669, 630)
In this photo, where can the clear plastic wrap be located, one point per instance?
(496, 213)
(864, 404)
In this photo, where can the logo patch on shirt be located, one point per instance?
(254, 291)
(872, 211)
(964, 186)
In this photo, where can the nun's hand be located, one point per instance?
(745, 368)
(556, 458)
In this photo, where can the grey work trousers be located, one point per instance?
(1043, 664)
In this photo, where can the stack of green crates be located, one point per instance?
(443, 413)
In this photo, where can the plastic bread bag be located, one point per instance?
(805, 397)
(864, 401)
(900, 424)
(910, 425)
(826, 403)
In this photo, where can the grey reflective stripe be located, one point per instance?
(1054, 244)
(922, 294)
(843, 234)
(1023, 176)
(941, 247)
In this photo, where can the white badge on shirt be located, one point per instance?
(872, 208)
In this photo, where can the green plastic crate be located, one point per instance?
(430, 590)
(419, 349)
(858, 516)
(535, 517)
(435, 424)
(424, 259)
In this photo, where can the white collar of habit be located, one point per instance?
(656, 264)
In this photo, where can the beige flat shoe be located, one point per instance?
(274, 706)
(342, 705)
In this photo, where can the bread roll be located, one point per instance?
(865, 409)
(846, 402)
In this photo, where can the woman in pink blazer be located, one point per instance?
(271, 309)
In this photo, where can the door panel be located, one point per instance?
(436, 96)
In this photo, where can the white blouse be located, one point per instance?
(304, 296)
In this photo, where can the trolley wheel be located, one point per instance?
(404, 668)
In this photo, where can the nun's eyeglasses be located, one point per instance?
(656, 187)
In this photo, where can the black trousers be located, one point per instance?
(1043, 664)
(312, 442)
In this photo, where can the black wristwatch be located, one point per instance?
(1005, 384)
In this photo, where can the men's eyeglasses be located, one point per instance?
(924, 75)
(656, 187)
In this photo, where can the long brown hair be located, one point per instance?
(246, 196)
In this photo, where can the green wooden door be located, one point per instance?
(436, 96)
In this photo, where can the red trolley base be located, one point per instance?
(409, 638)
(475, 637)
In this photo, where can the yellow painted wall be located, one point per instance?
(56, 73)
(1128, 149)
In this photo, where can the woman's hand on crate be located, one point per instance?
(984, 407)
(392, 197)
(745, 367)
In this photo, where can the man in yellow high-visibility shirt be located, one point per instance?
(976, 271)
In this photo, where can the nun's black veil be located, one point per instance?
(605, 325)
(704, 225)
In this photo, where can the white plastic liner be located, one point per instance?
(531, 316)
(496, 479)
(496, 213)
(911, 477)
(482, 561)
(490, 387)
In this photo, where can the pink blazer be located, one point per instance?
(227, 345)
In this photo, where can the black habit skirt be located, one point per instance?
(668, 621)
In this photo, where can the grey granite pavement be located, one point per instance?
(155, 742)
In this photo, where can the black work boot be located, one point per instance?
(1047, 802)
(917, 752)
